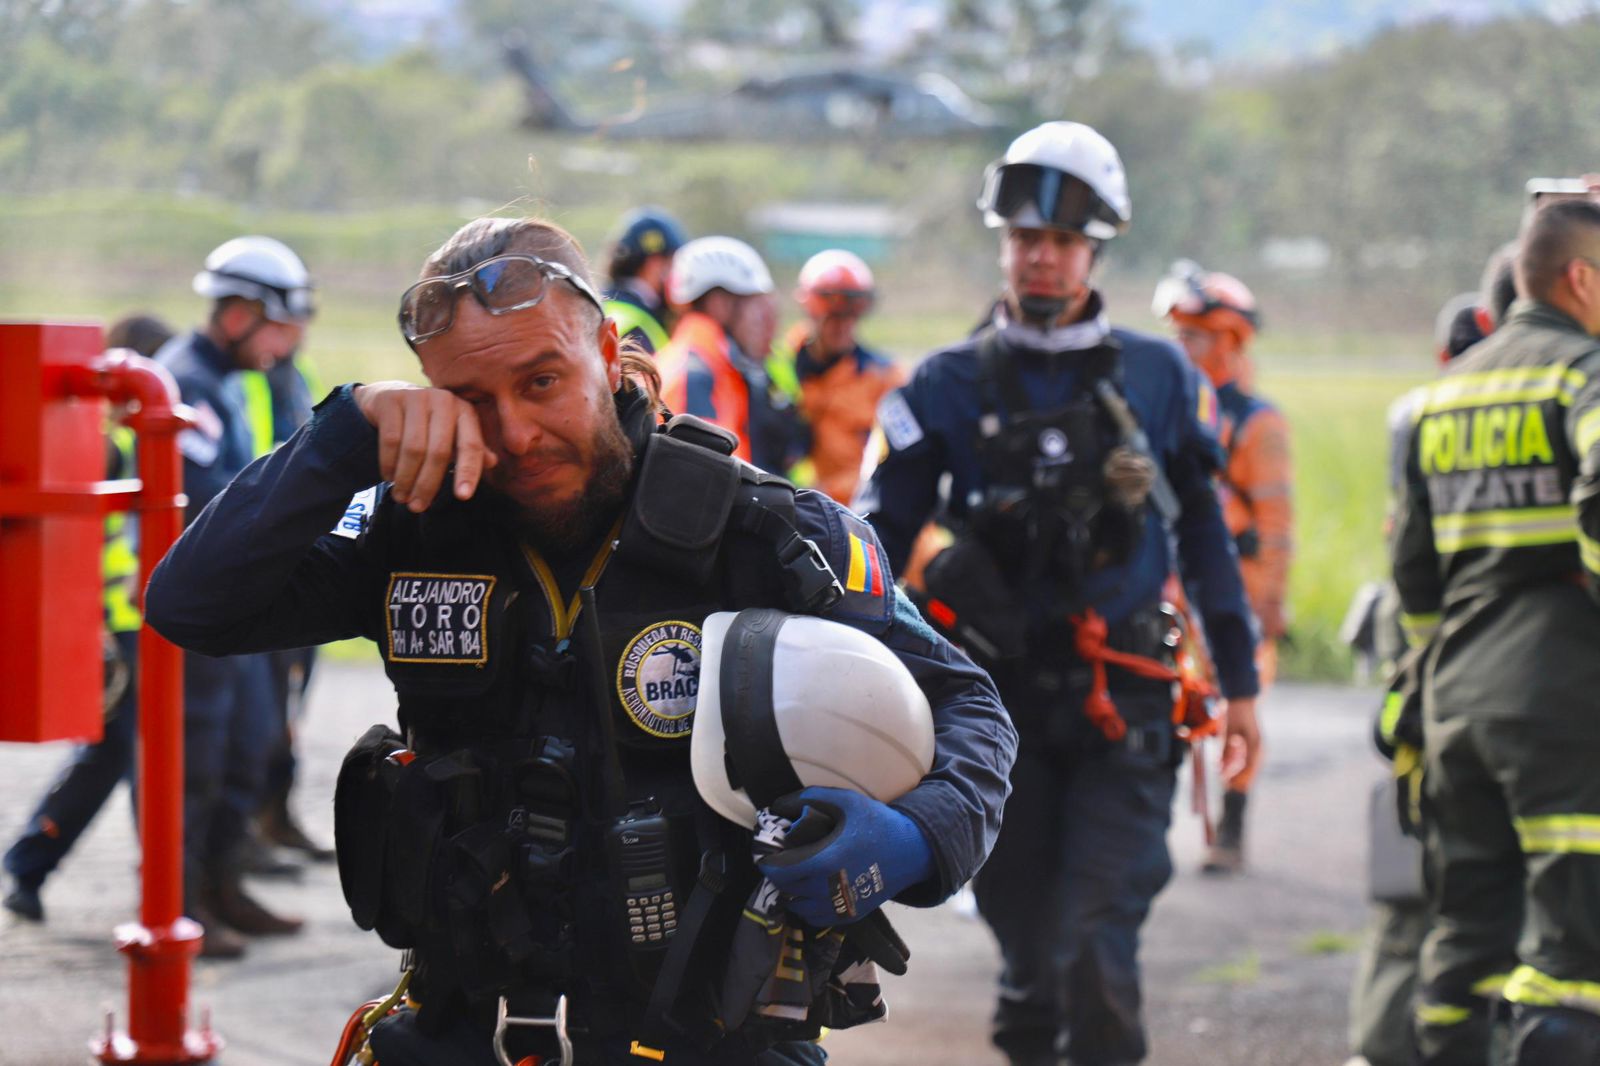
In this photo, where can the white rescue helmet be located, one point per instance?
(717, 263)
(1061, 175)
(793, 701)
(262, 269)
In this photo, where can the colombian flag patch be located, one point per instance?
(866, 571)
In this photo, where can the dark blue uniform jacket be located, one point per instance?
(260, 570)
(931, 427)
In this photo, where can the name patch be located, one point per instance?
(658, 679)
(438, 618)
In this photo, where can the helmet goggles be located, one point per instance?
(1183, 291)
(1033, 196)
(843, 303)
(503, 284)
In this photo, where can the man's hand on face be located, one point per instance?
(421, 432)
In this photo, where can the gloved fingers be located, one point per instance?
(877, 939)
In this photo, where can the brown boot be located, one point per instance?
(228, 900)
(278, 826)
(220, 942)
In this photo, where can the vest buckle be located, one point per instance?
(808, 580)
(557, 1021)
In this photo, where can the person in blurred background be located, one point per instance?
(1215, 318)
(714, 366)
(837, 381)
(1495, 557)
(93, 770)
(641, 260)
(261, 301)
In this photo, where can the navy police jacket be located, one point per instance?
(260, 570)
(929, 429)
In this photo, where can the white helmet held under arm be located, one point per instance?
(260, 269)
(717, 263)
(792, 701)
(1061, 175)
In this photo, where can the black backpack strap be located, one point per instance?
(765, 510)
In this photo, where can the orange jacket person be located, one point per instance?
(714, 365)
(840, 381)
(1215, 317)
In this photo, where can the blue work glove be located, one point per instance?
(845, 855)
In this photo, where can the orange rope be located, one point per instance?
(1090, 633)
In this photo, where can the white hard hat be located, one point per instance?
(1061, 175)
(259, 268)
(792, 701)
(716, 263)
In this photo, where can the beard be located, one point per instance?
(564, 526)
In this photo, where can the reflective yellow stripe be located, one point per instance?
(1536, 989)
(1560, 833)
(257, 409)
(629, 318)
(119, 563)
(1389, 717)
(1419, 628)
(1441, 1014)
(308, 374)
(1588, 431)
(1589, 552)
(1518, 385)
(1491, 987)
(1523, 528)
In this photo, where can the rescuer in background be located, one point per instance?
(1215, 318)
(641, 260)
(715, 365)
(838, 380)
(261, 300)
(1069, 458)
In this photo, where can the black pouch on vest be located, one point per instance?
(968, 602)
(361, 805)
(681, 505)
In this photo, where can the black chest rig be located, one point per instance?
(537, 826)
(1043, 516)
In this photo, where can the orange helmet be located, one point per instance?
(1208, 300)
(835, 282)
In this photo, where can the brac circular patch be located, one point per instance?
(658, 679)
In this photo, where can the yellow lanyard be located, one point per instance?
(564, 618)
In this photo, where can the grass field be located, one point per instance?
(1333, 386)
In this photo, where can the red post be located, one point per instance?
(161, 944)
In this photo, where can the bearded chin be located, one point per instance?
(566, 526)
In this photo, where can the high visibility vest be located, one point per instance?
(119, 562)
(258, 403)
(630, 317)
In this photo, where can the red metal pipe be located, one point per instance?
(161, 944)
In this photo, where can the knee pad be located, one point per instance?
(1554, 1036)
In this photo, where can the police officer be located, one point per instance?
(641, 259)
(714, 367)
(261, 299)
(1059, 558)
(89, 777)
(1495, 552)
(1215, 318)
(536, 566)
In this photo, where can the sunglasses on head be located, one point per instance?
(505, 283)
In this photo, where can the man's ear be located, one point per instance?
(610, 352)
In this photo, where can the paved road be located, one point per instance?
(1251, 972)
